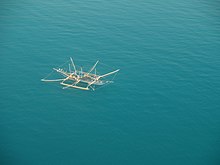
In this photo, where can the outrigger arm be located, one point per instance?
(55, 80)
(107, 74)
(91, 84)
(72, 85)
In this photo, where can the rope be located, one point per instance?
(54, 71)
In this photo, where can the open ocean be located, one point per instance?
(163, 109)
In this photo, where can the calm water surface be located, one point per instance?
(162, 109)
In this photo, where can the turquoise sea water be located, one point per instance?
(163, 108)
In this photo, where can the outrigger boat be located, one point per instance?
(80, 79)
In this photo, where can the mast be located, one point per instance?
(81, 72)
(70, 69)
(73, 64)
(93, 67)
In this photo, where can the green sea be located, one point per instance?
(162, 109)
